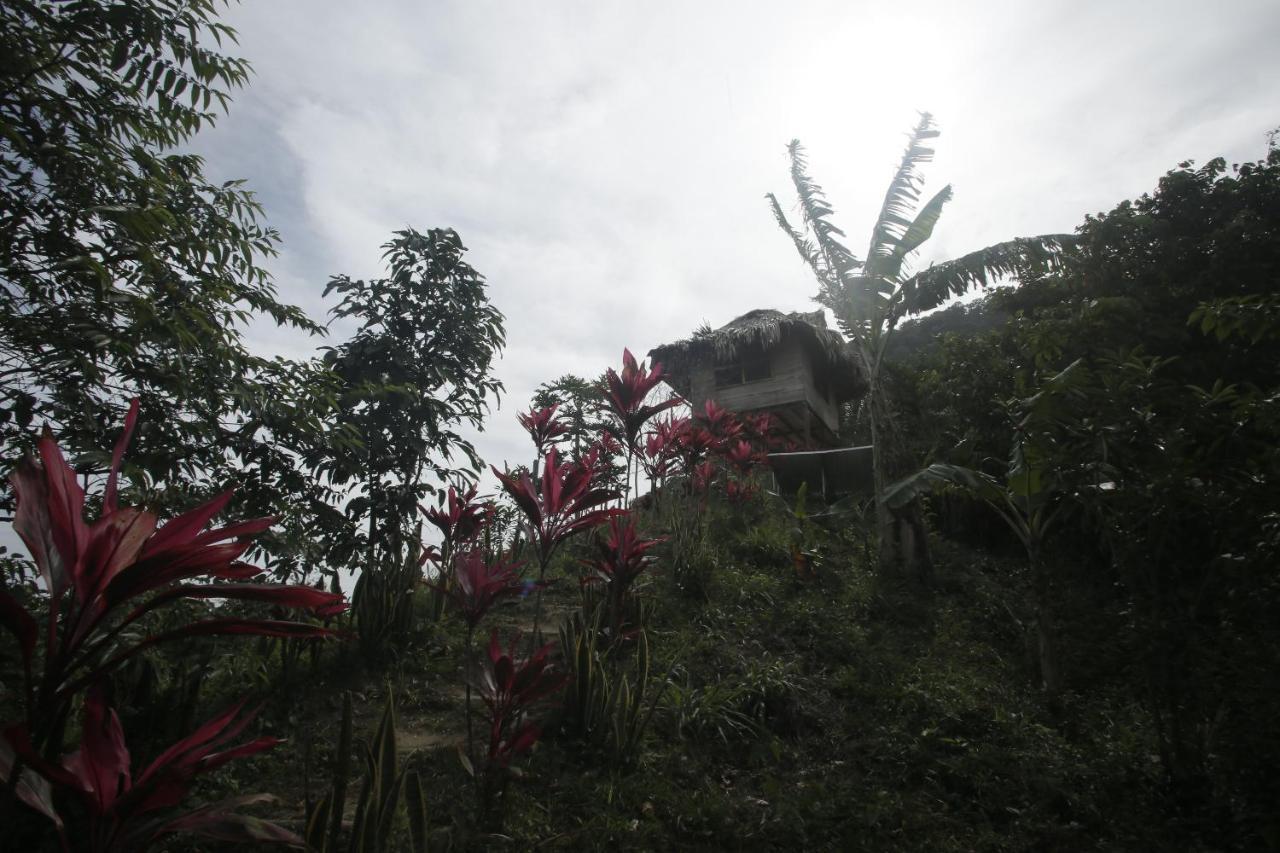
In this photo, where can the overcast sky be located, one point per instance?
(606, 162)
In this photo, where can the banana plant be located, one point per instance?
(803, 559)
(870, 296)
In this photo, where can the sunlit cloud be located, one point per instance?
(606, 164)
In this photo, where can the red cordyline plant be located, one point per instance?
(97, 577)
(657, 456)
(601, 454)
(704, 474)
(758, 426)
(693, 446)
(744, 457)
(662, 448)
(459, 518)
(720, 422)
(477, 586)
(717, 433)
(623, 557)
(567, 502)
(127, 812)
(626, 392)
(510, 686)
(543, 426)
(625, 396)
(740, 491)
(599, 457)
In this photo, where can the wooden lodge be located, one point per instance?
(790, 365)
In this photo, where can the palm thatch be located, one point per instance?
(762, 330)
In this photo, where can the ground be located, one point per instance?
(845, 712)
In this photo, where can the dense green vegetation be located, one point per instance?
(870, 296)
(633, 644)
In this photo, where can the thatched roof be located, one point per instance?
(765, 328)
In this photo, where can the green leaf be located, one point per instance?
(930, 287)
(416, 805)
(120, 55)
(900, 199)
(939, 476)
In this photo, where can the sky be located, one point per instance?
(606, 162)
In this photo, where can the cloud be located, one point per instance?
(606, 163)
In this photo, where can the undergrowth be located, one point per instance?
(840, 712)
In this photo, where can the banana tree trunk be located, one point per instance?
(887, 551)
(1046, 636)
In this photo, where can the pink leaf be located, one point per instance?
(117, 457)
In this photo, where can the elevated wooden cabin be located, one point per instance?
(791, 365)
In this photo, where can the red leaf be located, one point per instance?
(117, 456)
(31, 789)
(219, 821)
(102, 762)
(215, 760)
(259, 627)
(115, 541)
(32, 523)
(240, 529)
(19, 740)
(165, 781)
(236, 572)
(157, 569)
(65, 502)
(183, 529)
(208, 627)
(304, 597)
(168, 778)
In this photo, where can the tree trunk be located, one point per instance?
(887, 551)
(1050, 673)
(913, 544)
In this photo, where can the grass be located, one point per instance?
(848, 712)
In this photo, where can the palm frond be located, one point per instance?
(804, 246)
(939, 476)
(837, 301)
(815, 209)
(865, 299)
(933, 286)
(917, 233)
(900, 200)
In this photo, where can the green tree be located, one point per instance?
(870, 297)
(125, 271)
(579, 405)
(418, 367)
(1207, 234)
(1170, 299)
(1167, 305)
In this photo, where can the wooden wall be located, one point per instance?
(791, 382)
